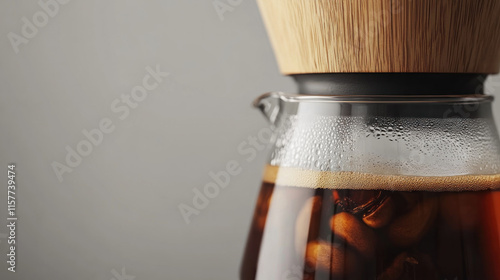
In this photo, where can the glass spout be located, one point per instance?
(270, 105)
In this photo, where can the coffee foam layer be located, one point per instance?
(289, 176)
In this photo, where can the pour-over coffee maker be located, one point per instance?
(386, 164)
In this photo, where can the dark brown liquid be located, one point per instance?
(327, 233)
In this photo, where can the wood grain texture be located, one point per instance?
(439, 36)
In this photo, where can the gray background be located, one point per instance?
(118, 209)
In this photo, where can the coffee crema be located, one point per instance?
(297, 177)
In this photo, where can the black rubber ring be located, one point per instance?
(390, 83)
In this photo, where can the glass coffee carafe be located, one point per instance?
(378, 187)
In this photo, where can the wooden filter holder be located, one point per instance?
(384, 36)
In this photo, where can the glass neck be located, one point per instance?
(394, 135)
